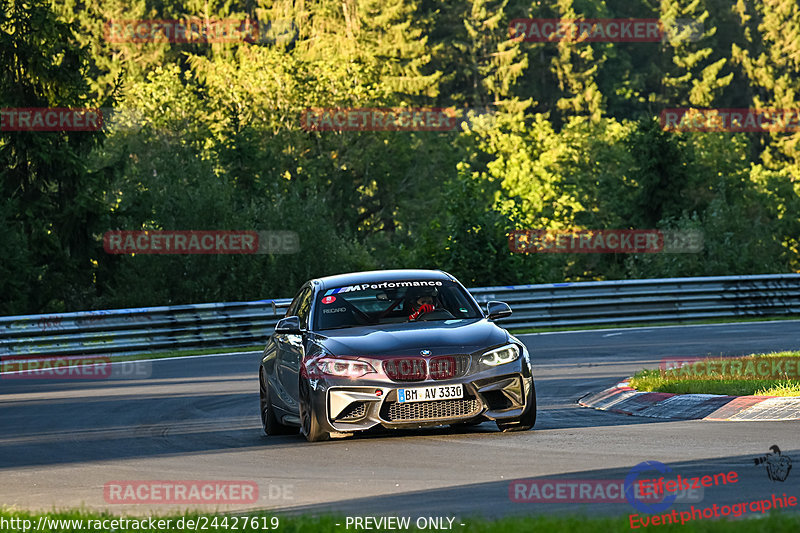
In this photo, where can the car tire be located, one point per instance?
(309, 425)
(526, 420)
(269, 422)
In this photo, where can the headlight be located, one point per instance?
(343, 368)
(501, 356)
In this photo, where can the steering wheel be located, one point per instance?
(445, 314)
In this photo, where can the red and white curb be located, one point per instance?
(622, 398)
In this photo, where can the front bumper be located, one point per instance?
(347, 406)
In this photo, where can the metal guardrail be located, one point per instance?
(231, 324)
(118, 331)
(646, 300)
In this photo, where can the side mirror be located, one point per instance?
(495, 310)
(290, 324)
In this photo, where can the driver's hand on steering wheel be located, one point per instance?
(424, 308)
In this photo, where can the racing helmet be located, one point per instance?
(415, 293)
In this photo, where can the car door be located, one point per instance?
(289, 347)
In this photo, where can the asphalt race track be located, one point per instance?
(197, 418)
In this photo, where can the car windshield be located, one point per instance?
(392, 302)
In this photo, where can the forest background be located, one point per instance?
(566, 136)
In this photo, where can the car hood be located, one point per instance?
(440, 337)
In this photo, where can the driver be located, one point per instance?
(422, 301)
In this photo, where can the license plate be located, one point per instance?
(426, 394)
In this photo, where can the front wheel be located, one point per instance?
(269, 422)
(526, 420)
(309, 425)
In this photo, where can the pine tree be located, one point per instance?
(771, 62)
(576, 69)
(493, 59)
(694, 78)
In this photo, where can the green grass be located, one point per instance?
(658, 381)
(520, 331)
(773, 523)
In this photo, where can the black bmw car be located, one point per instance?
(396, 349)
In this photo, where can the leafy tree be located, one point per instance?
(50, 200)
(661, 175)
(468, 237)
(210, 136)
